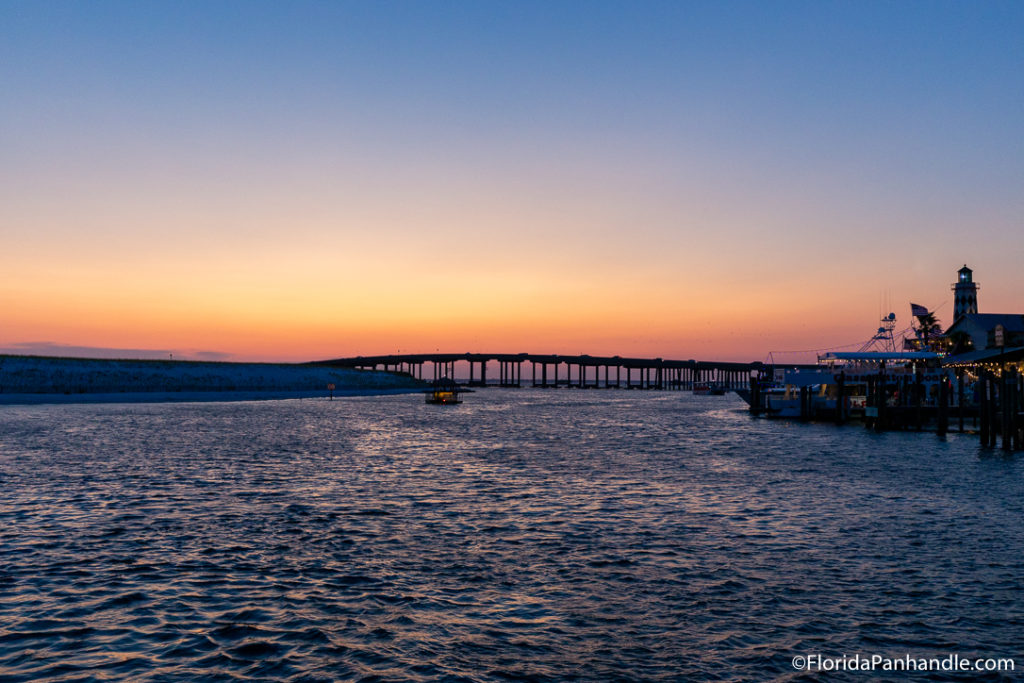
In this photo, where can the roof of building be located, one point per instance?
(1009, 355)
(878, 356)
(1011, 322)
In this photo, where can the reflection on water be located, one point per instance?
(527, 535)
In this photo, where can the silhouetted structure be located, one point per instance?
(547, 371)
(965, 294)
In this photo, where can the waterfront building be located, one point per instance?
(974, 331)
(980, 329)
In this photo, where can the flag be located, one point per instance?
(917, 310)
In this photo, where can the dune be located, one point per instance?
(43, 379)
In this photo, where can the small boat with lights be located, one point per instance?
(444, 392)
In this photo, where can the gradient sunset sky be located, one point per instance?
(304, 180)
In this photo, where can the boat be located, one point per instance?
(708, 389)
(905, 383)
(444, 392)
(904, 380)
(780, 401)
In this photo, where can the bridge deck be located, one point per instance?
(654, 373)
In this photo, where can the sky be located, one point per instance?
(289, 181)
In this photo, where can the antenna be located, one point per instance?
(883, 339)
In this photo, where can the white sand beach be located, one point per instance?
(41, 379)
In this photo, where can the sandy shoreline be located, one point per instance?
(40, 379)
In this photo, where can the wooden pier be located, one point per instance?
(998, 394)
(549, 371)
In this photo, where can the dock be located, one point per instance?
(979, 392)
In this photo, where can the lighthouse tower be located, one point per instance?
(965, 294)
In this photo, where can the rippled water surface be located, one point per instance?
(523, 535)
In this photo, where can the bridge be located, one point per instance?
(546, 370)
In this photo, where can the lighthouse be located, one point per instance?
(965, 294)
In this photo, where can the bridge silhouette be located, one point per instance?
(546, 370)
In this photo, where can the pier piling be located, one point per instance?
(984, 406)
(943, 417)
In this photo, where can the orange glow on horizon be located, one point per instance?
(308, 304)
(254, 322)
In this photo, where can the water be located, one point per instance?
(524, 535)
